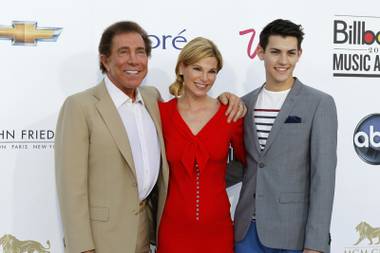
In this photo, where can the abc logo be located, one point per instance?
(367, 139)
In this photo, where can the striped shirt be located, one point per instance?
(268, 105)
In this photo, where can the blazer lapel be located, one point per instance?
(251, 122)
(114, 124)
(284, 113)
(152, 107)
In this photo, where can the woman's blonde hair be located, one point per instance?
(194, 51)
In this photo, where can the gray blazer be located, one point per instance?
(290, 184)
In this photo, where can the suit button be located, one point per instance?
(261, 165)
(134, 184)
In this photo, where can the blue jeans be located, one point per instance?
(252, 244)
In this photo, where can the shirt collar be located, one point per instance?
(118, 97)
(276, 92)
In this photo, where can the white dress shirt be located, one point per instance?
(142, 135)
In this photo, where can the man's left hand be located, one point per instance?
(236, 108)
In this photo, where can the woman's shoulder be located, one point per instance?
(170, 102)
(168, 107)
(222, 107)
(233, 124)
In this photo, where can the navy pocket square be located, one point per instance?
(293, 119)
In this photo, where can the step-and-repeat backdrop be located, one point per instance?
(48, 50)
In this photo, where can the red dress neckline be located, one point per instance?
(214, 117)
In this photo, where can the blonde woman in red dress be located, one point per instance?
(196, 216)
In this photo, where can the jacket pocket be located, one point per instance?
(293, 197)
(98, 213)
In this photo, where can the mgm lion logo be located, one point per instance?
(368, 232)
(12, 245)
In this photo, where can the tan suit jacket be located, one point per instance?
(95, 173)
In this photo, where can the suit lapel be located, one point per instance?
(114, 124)
(284, 113)
(151, 106)
(251, 122)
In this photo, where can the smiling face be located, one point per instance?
(199, 77)
(127, 65)
(280, 58)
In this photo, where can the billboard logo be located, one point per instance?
(251, 49)
(367, 139)
(368, 241)
(356, 41)
(354, 33)
(24, 33)
(12, 244)
(368, 232)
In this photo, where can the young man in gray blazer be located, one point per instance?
(287, 194)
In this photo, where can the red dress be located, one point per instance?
(196, 216)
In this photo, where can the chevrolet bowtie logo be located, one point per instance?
(27, 33)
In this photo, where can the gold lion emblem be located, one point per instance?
(366, 231)
(12, 245)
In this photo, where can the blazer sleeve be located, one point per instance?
(323, 160)
(235, 167)
(71, 164)
(237, 141)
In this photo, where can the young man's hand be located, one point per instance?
(236, 108)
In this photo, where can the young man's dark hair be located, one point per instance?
(283, 28)
(105, 44)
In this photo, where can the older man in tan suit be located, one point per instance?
(109, 151)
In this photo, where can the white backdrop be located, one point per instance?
(36, 79)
